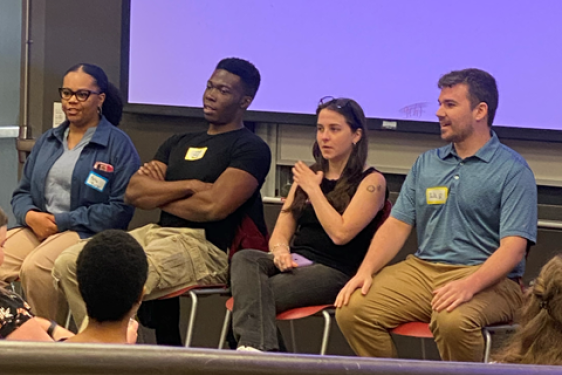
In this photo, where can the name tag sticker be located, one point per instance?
(95, 181)
(195, 153)
(436, 195)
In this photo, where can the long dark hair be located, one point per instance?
(112, 107)
(347, 184)
(539, 338)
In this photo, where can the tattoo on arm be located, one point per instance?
(373, 188)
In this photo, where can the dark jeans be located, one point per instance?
(261, 291)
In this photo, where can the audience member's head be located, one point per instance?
(482, 88)
(539, 338)
(111, 271)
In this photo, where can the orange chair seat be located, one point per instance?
(290, 315)
(414, 329)
(186, 290)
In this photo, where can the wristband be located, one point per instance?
(51, 329)
(280, 245)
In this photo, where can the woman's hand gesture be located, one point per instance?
(306, 178)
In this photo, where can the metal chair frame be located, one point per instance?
(193, 292)
(421, 330)
(327, 312)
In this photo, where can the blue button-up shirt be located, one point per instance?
(91, 210)
(462, 208)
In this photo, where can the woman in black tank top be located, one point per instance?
(331, 213)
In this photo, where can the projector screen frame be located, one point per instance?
(424, 127)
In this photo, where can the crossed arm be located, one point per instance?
(192, 200)
(148, 188)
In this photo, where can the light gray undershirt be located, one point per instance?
(59, 180)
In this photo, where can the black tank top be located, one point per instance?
(312, 241)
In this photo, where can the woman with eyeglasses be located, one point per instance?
(538, 338)
(329, 216)
(72, 187)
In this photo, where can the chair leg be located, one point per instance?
(293, 339)
(67, 321)
(225, 326)
(191, 322)
(326, 334)
(487, 344)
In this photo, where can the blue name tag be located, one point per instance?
(95, 181)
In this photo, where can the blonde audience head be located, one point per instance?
(539, 339)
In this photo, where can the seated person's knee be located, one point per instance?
(65, 266)
(451, 323)
(29, 269)
(354, 311)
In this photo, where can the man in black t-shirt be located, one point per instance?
(205, 184)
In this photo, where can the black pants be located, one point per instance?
(261, 291)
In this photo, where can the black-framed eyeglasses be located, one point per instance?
(81, 95)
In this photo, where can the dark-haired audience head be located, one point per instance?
(111, 271)
(539, 338)
(481, 87)
(230, 91)
(104, 97)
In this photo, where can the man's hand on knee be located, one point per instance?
(452, 294)
(363, 281)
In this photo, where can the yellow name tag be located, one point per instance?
(436, 195)
(195, 153)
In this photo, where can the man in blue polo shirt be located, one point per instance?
(474, 206)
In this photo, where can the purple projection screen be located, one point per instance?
(388, 55)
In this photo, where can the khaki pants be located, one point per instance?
(403, 292)
(32, 261)
(177, 258)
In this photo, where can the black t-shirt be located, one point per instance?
(312, 241)
(205, 157)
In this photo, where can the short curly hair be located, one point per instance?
(111, 271)
(248, 73)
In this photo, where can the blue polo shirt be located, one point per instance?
(462, 208)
